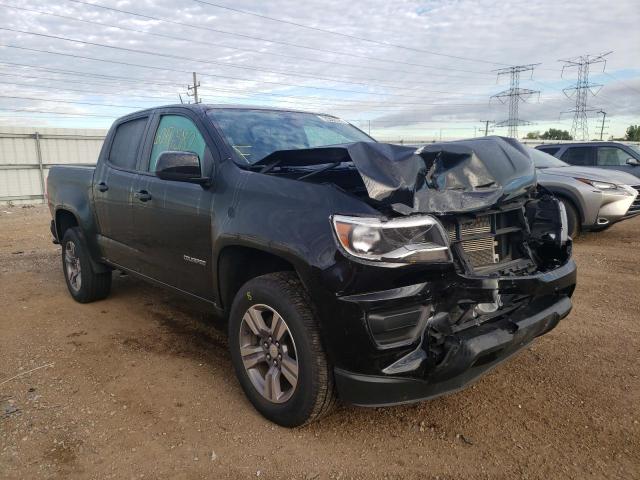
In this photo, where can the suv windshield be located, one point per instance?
(544, 160)
(254, 134)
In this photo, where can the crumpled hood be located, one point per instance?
(446, 177)
(593, 173)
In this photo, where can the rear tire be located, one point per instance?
(573, 219)
(270, 356)
(84, 284)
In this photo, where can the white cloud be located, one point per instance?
(395, 90)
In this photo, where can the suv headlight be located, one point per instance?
(604, 186)
(400, 240)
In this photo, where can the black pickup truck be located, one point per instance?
(378, 274)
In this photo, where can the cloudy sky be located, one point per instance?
(403, 69)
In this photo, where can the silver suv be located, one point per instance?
(606, 155)
(594, 198)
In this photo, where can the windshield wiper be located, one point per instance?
(320, 170)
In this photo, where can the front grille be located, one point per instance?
(477, 240)
(635, 206)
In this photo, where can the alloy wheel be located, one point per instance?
(268, 353)
(72, 266)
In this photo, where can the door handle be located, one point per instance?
(103, 187)
(142, 195)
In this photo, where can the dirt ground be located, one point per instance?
(141, 386)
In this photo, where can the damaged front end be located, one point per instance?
(510, 281)
(484, 256)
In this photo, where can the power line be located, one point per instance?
(279, 42)
(127, 81)
(77, 90)
(622, 82)
(95, 104)
(168, 69)
(345, 35)
(581, 91)
(515, 94)
(57, 113)
(86, 74)
(218, 45)
(214, 62)
(297, 105)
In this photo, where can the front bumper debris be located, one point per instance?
(446, 356)
(477, 351)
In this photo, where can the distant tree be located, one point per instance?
(533, 135)
(556, 134)
(633, 133)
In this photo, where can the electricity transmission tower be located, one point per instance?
(514, 95)
(581, 90)
(194, 88)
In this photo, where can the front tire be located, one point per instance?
(84, 284)
(276, 351)
(573, 219)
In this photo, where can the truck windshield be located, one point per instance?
(254, 134)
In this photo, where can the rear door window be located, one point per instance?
(578, 156)
(612, 157)
(126, 143)
(176, 133)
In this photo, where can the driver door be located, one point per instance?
(173, 219)
(615, 158)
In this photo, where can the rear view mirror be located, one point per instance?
(180, 167)
(633, 161)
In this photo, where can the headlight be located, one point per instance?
(604, 186)
(401, 240)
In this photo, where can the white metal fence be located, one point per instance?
(26, 154)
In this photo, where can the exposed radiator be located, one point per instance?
(480, 251)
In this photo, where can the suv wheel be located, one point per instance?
(84, 284)
(277, 353)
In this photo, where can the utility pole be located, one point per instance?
(194, 88)
(604, 115)
(581, 90)
(515, 95)
(486, 126)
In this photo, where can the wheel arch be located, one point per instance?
(237, 264)
(64, 219)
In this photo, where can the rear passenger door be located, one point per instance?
(113, 184)
(583, 156)
(173, 219)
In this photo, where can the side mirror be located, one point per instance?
(180, 167)
(633, 161)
